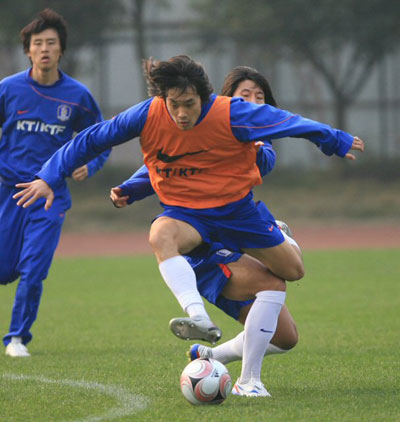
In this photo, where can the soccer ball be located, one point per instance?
(205, 381)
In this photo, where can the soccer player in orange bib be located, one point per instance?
(227, 279)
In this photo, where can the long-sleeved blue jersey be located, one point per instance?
(249, 122)
(37, 120)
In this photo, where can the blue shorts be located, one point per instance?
(238, 225)
(211, 267)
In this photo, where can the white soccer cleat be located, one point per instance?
(252, 388)
(197, 328)
(16, 349)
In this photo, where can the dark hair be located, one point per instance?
(243, 73)
(48, 18)
(180, 72)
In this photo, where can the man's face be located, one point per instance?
(250, 91)
(184, 107)
(45, 50)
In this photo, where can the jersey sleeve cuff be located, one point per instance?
(345, 143)
(53, 182)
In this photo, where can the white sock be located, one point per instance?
(229, 351)
(274, 350)
(181, 279)
(232, 350)
(196, 309)
(260, 326)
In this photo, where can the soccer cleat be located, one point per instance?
(197, 328)
(16, 349)
(252, 388)
(284, 227)
(197, 351)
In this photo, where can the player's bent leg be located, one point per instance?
(250, 276)
(286, 335)
(282, 260)
(284, 339)
(287, 234)
(170, 237)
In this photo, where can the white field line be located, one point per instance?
(129, 403)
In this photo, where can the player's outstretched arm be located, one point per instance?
(358, 145)
(32, 191)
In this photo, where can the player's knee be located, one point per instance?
(155, 239)
(289, 340)
(271, 282)
(295, 272)
(163, 242)
(288, 344)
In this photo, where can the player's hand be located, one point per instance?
(32, 191)
(81, 173)
(117, 199)
(358, 145)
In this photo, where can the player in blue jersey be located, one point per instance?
(227, 279)
(199, 150)
(40, 110)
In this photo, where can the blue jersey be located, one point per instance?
(249, 122)
(37, 120)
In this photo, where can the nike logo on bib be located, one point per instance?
(171, 158)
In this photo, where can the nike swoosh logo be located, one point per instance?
(165, 158)
(265, 331)
(22, 111)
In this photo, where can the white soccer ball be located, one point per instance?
(205, 381)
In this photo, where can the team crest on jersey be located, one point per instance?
(64, 112)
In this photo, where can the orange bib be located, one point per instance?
(203, 167)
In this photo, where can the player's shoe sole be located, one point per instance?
(195, 329)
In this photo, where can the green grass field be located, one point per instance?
(103, 351)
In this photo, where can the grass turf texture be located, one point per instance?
(104, 322)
